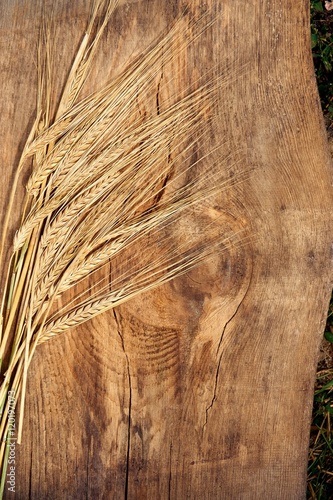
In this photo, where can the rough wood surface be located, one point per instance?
(201, 389)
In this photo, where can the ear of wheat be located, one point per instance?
(96, 193)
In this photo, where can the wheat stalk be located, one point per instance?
(150, 140)
(102, 181)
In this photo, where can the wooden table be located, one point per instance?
(203, 388)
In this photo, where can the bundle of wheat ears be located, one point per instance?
(103, 189)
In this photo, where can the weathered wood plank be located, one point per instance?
(203, 388)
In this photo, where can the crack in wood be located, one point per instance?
(129, 403)
(88, 460)
(214, 398)
(170, 472)
(167, 177)
(30, 474)
(158, 93)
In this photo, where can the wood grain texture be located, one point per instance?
(203, 388)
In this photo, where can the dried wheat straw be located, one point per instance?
(97, 193)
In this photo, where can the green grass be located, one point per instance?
(322, 50)
(320, 465)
